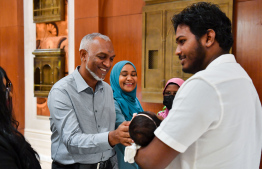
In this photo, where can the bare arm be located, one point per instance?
(156, 155)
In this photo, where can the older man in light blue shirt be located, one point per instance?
(82, 112)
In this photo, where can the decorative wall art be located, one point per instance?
(52, 35)
(48, 10)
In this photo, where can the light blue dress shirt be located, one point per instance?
(80, 120)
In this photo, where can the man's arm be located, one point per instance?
(156, 155)
(63, 116)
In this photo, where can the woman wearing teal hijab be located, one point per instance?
(123, 80)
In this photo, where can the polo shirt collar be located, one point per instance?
(81, 84)
(226, 58)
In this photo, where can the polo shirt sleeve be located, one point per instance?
(66, 123)
(196, 109)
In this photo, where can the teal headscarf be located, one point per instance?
(127, 101)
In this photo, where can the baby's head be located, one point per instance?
(142, 127)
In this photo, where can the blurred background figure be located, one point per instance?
(15, 151)
(169, 94)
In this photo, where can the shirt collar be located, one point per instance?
(226, 58)
(81, 84)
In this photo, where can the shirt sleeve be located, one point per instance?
(65, 123)
(196, 109)
(120, 118)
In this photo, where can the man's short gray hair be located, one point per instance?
(88, 39)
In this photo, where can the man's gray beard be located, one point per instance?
(94, 75)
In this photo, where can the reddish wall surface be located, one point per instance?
(12, 52)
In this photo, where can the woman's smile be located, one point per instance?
(128, 78)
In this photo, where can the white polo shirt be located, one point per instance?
(216, 120)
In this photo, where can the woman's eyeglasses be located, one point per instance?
(9, 89)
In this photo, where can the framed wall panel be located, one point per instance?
(159, 45)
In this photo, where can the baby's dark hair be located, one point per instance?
(141, 128)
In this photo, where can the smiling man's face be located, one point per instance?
(190, 51)
(99, 58)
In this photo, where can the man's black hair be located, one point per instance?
(202, 16)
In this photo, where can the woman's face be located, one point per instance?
(128, 78)
(171, 89)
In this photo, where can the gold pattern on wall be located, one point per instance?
(52, 35)
(48, 10)
(49, 67)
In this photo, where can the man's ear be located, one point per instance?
(210, 38)
(82, 54)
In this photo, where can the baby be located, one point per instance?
(142, 127)
(141, 130)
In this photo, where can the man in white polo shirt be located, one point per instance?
(216, 118)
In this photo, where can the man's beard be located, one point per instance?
(93, 74)
(197, 64)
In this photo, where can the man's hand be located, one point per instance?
(120, 135)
